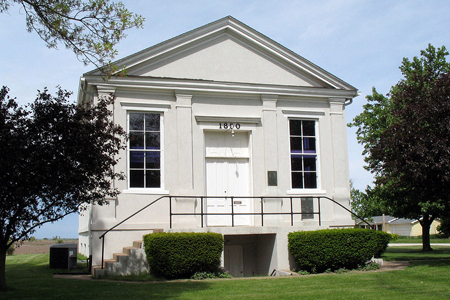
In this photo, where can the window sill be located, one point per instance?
(307, 192)
(149, 191)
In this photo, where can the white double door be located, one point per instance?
(228, 177)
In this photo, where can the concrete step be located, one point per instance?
(138, 244)
(120, 259)
(117, 256)
(97, 271)
(127, 250)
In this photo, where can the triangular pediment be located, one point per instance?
(224, 58)
(228, 51)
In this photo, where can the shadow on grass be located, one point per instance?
(31, 278)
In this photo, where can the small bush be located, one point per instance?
(370, 267)
(439, 236)
(11, 250)
(334, 249)
(81, 257)
(203, 275)
(444, 227)
(58, 239)
(221, 273)
(181, 255)
(303, 272)
(395, 237)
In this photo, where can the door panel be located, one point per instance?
(234, 260)
(216, 185)
(227, 177)
(227, 174)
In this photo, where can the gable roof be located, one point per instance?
(403, 221)
(155, 62)
(390, 220)
(379, 220)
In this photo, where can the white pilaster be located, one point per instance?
(184, 143)
(341, 191)
(271, 156)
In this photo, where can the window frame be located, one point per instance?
(146, 190)
(304, 190)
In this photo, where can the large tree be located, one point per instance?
(55, 157)
(90, 28)
(406, 138)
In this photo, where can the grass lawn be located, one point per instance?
(29, 277)
(418, 240)
(416, 253)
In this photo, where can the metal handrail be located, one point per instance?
(232, 213)
(123, 221)
(202, 213)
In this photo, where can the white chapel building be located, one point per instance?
(230, 132)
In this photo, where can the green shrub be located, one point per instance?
(11, 250)
(372, 266)
(394, 237)
(203, 275)
(221, 273)
(181, 255)
(444, 227)
(58, 239)
(439, 236)
(333, 249)
(81, 257)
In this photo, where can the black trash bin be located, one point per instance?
(63, 256)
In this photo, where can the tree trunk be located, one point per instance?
(3, 250)
(426, 224)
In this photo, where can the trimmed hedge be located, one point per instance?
(182, 254)
(333, 249)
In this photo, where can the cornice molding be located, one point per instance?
(192, 86)
(232, 119)
(105, 89)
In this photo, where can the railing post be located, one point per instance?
(320, 219)
(201, 209)
(103, 249)
(170, 213)
(262, 212)
(232, 211)
(292, 212)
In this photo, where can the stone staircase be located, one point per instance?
(132, 261)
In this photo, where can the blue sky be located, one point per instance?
(361, 42)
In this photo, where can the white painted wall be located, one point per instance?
(268, 151)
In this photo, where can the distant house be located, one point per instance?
(376, 223)
(400, 226)
(229, 132)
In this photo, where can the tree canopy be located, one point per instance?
(406, 138)
(90, 28)
(56, 156)
(363, 205)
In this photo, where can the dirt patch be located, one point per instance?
(394, 265)
(37, 246)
